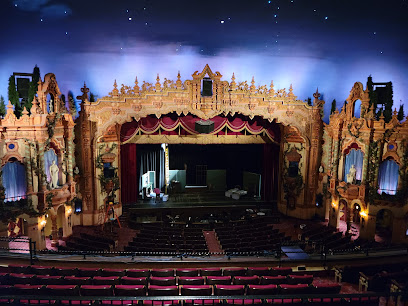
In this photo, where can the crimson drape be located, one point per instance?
(129, 178)
(270, 175)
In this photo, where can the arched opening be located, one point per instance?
(388, 177)
(353, 164)
(357, 109)
(356, 213)
(383, 227)
(14, 180)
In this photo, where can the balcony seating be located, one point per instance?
(191, 280)
(74, 280)
(96, 290)
(196, 290)
(74, 302)
(218, 280)
(162, 272)
(246, 280)
(285, 301)
(229, 290)
(106, 280)
(326, 301)
(211, 272)
(126, 280)
(62, 290)
(327, 288)
(262, 289)
(154, 290)
(19, 269)
(36, 302)
(244, 301)
(130, 290)
(5, 289)
(163, 281)
(138, 273)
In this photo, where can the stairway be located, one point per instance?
(212, 242)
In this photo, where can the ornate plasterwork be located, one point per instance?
(128, 102)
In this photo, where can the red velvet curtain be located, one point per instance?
(270, 175)
(129, 177)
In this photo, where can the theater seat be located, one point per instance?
(163, 281)
(244, 301)
(281, 271)
(106, 280)
(113, 272)
(62, 290)
(23, 289)
(42, 270)
(245, 280)
(74, 280)
(96, 290)
(206, 302)
(130, 290)
(300, 279)
(325, 301)
(187, 272)
(90, 272)
(196, 290)
(138, 273)
(75, 302)
(211, 272)
(234, 272)
(126, 280)
(327, 288)
(65, 271)
(162, 290)
(262, 289)
(161, 303)
(218, 280)
(37, 302)
(6, 289)
(229, 290)
(295, 289)
(49, 280)
(284, 301)
(275, 280)
(20, 278)
(121, 302)
(162, 272)
(191, 280)
(259, 271)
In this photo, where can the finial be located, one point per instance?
(24, 112)
(271, 90)
(252, 88)
(291, 95)
(136, 88)
(395, 113)
(158, 85)
(115, 92)
(178, 82)
(233, 84)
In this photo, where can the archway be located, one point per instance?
(60, 221)
(383, 227)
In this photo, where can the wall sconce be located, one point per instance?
(43, 223)
(334, 205)
(363, 214)
(68, 211)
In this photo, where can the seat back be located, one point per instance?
(113, 272)
(126, 280)
(191, 280)
(281, 271)
(162, 272)
(138, 273)
(20, 278)
(262, 289)
(211, 272)
(42, 270)
(187, 272)
(74, 280)
(295, 289)
(96, 290)
(62, 290)
(218, 280)
(163, 281)
(106, 280)
(229, 289)
(245, 280)
(234, 272)
(130, 290)
(66, 271)
(162, 290)
(90, 272)
(300, 279)
(259, 271)
(49, 280)
(275, 280)
(196, 290)
(23, 289)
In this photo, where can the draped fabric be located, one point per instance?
(388, 177)
(129, 179)
(354, 157)
(49, 156)
(14, 181)
(270, 175)
(172, 124)
(152, 160)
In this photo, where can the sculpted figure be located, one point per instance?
(351, 176)
(54, 170)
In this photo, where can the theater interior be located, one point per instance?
(202, 192)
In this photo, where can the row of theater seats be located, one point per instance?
(32, 279)
(164, 238)
(91, 272)
(154, 290)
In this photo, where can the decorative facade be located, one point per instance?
(312, 161)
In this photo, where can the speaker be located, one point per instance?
(204, 127)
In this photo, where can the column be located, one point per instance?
(41, 165)
(54, 231)
(335, 159)
(29, 174)
(365, 163)
(70, 151)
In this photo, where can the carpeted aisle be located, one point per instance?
(212, 242)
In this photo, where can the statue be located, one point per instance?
(351, 176)
(54, 170)
(51, 106)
